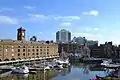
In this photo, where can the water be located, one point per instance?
(75, 72)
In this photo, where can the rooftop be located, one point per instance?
(21, 28)
(25, 42)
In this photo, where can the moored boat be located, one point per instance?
(22, 70)
(106, 62)
(64, 62)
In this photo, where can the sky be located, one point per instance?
(94, 19)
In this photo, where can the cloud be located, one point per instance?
(66, 24)
(29, 7)
(7, 9)
(40, 17)
(113, 36)
(67, 18)
(83, 34)
(100, 34)
(63, 18)
(95, 29)
(88, 29)
(37, 17)
(41, 32)
(91, 13)
(8, 20)
(91, 29)
(88, 35)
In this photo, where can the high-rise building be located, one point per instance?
(79, 40)
(63, 36)
(21, 34)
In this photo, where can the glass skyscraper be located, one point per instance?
(63, 36)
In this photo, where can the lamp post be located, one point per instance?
(44, 64)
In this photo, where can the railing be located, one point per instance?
(23, 60)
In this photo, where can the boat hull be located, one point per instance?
(20, 71)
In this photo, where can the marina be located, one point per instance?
(59, 40)
(53, 71)
(77, 71)
(45, 65)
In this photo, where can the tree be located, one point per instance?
(34, 38)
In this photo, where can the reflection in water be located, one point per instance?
(86, 70)
(65, 71)
(39, 76)
(74, 72)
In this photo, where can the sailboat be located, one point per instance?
(64, 60)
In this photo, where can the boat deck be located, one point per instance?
(112, 66)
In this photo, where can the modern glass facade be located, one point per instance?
(63, 36)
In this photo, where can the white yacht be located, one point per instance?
(106, 62)
(48, 67)
(22, 70)
(61, 63)
(66, 61)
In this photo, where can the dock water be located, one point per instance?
(35, 69)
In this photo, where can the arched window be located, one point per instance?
(6, 59)
(13, 59)
(37, 56)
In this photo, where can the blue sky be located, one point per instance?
(94, 19)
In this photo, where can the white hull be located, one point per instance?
(62, 61)
(22, 70)
(60, 66)
(106, 63)
(47, 68)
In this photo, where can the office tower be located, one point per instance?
(63, 36)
